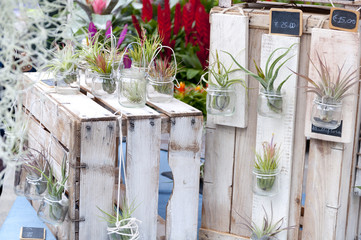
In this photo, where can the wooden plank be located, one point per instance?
(218, 178)
(322, 190)
(233, 29)
(97, 179)
(142, 172)
(281, 128)
(185, 143)
(242, 197)
(176, 108)
(208, 234)
(339, 49)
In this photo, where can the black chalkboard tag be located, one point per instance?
(332, 132)
(32, 233)
(344, 19)
(286, 22)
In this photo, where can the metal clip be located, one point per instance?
(82, 165)
(77, 220)
(329, 206)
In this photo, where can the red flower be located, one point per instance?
(177, 19)
(136, 25)
(99, 6)
(188, 19)
(203, 31)
(164, 23)
(147, 11)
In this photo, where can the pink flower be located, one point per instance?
(99, 6)
(109, 29)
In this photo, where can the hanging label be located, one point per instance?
(286, 22)
(332, 132)
(343, 19)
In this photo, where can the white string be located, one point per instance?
(358, 9)
(332, 3)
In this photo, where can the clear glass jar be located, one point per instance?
(254, 237)
(221, 101)
(35, 187)
(53, 210)
(326, 114)
(103, 85)
(20, 180)
(160, 91)
(270, 104)
(132, 88)
(88, 77)
(67, 83)
(266, 184)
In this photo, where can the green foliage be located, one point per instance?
(192, 95)
(64, 60)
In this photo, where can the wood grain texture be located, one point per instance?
(242, 197)
(97, 179)
(229, 33)
(185, 143)
(218, 178)
(208, 234)
(338, 48)
(281, 128)
(142, 171)
(176, 108)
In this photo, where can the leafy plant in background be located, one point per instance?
(193, 95)
(267, 162)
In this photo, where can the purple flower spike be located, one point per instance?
(92, 29)
(122, 35)
(108, 33)
(127, 61)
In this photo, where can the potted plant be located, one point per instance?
(221, 95)
(329, 90)
(161, 74)
(266, 169)
(268, 230)
(54, 205)
(270, 100)
(65, 70)
(121, 225)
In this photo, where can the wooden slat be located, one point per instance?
(232, 29)
(142, 172)
(175, 108)
(208, 234)
(97, 179)
(218, 180)
(281, 128)
(184, 160)
(339, 49)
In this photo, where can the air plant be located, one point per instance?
(162, 70)
(267, 163)
(268, 76)
(268, 230)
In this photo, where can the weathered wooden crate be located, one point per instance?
(86, 129)
(331, 209)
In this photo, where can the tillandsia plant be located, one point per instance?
(266, 165)
(121, 226)
(268, 76)
(268, 230)
(162, 70)
(220, 95)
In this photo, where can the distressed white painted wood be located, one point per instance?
(208, 234)
(230, 33)
(184, 160)
(142, 171)
(282, 128)
(338, 48)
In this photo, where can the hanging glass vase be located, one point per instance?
(266, 184)
(160, 91)
(270, 104)
(67, 82)
(20, 180)
(326, 113)
(132, 88)
(35, 187)
(103, 84)
(53, 209)
(221, 101)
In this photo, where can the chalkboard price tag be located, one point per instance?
(286, 22)
(332, 132)
(344, 19)
(32, 233)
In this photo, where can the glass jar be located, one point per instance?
(221, 101)
(35, 187)
(88, 77)
(132, 88)
(67, 82)
(270, 104)
(103, 85)
(266, 184)
(326, 113)
(160, 91)
(53, 210)
(254, 237)
(20, 180)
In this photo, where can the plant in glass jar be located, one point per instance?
(65, 69)
(220, 94)
(330, 90)
(266, 169)
(270, 102)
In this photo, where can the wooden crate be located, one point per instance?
(93, 150)
(331, 210)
